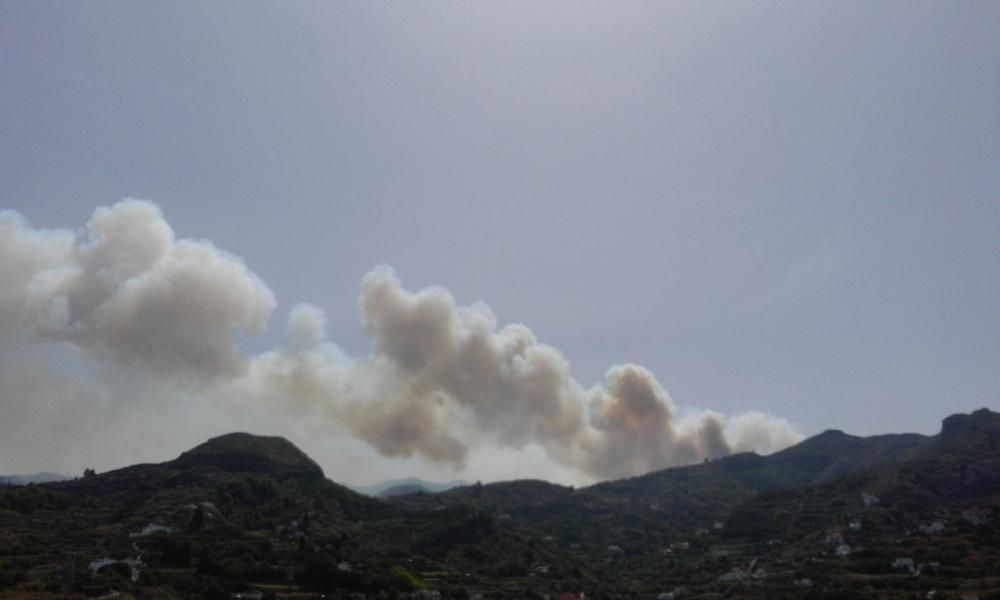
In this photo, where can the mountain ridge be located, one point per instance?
(241, 511)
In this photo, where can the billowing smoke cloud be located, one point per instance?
(130, 291)
(441, 380)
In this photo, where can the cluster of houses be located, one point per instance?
(134, 565)
(907, 565)
(931, 528)
(835, 538)
(753, 571)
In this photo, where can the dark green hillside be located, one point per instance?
(938, 502)
(238, 508)
(243, 512)
(246, 453)
(833, 454)
(778, 507)
(639, 512)
(976, 433)
(953, 481)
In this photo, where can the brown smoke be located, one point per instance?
(441, 380)
(445, 378)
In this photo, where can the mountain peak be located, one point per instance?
(245, 452)
(833, 434)
(982, 425)
(828, 438)
(983, 418)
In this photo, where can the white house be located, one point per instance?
(905, 564)
(732, 576)
(150, 530)
(932, 528)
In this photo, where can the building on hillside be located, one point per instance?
(932, 528)
(733, 576)
(150, 530)
(976, 516)
(905, 564)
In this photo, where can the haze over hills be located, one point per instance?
(43, 477)
(242, 511)
(409, 485)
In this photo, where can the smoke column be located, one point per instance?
(441, 380)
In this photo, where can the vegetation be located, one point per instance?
(242, 513)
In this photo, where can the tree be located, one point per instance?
(404, 580)
(198, 518)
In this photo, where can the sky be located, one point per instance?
(784, 209)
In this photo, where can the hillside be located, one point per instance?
(674, 501)
(246, 453)
(243, 512)
(778, 505)
(957, 469)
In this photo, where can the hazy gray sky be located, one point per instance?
(784, 207)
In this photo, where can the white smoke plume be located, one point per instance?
(441, 381)
(130, 292)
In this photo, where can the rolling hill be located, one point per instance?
(240, 513)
